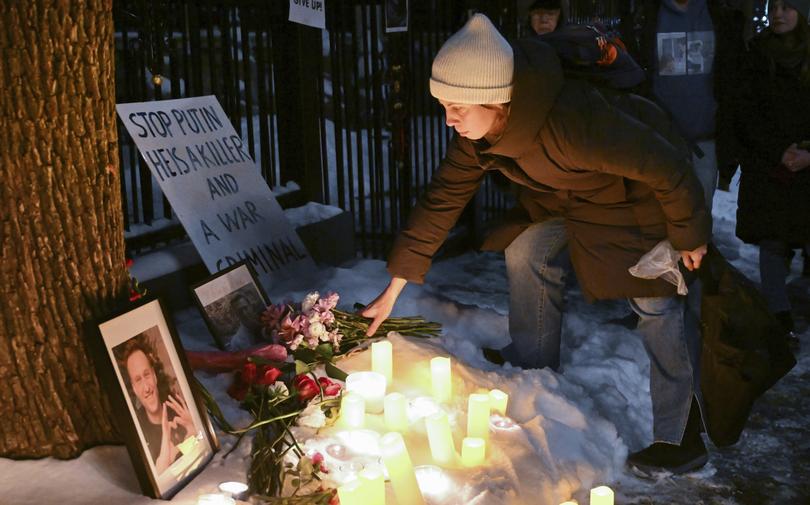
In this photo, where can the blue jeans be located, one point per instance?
(537, 264)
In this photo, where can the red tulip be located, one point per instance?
(330, 388)
(307, 388)
(268, 376)
(249, 373)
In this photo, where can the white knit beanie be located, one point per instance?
(474, 66)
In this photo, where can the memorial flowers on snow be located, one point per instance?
(293, 380)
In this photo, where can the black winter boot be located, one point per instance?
(660, 456)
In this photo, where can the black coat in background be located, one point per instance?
(773, 112)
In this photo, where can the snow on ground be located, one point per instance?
(575, 427)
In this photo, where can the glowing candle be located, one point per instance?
(601, 495)
(498, 400)
(215, 499)
(440, 378)
(382, 359)
(473, 450)
(400, 470)
(234, 489)
(374, 484)
(433, 482)
(478, 416)
(352, 493)
(353, 410)
(396, 412)
(369, 385)
(440, 439)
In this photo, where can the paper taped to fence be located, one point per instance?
(214, 186)
(309, 12)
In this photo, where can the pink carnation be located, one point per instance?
(273, 315)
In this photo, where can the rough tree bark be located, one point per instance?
(61, 228)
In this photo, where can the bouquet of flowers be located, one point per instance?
(279, 384)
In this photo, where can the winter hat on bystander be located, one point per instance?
(801, 6)
(474, 66)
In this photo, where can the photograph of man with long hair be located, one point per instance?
(161, 409)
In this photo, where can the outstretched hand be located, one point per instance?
(379, 309)
(692, 259)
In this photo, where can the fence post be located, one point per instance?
(400, 115)
(295, 76)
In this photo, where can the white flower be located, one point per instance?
(299, 337)
(309, 302)
(312, 416)
(280, 388)
(317, 330)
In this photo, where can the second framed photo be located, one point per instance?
(231, 302)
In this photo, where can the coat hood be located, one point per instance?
(537, 82)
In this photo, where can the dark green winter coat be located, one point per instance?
(611, 165)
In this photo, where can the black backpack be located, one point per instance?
(591, 53)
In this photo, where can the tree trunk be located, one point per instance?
(61, 229)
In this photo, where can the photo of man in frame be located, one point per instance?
(161, 409)
(236, 317)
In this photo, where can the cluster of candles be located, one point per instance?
(366, 393)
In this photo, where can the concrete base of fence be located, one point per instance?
(168, 272)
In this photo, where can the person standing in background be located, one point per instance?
(773, 120)
(691, 51)
(545, 16)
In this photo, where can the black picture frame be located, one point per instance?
(215, 297)
(139, 344)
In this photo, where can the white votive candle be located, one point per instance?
(400, 470)
(374, 482)
(572, 502)
(441, 379)
(215, 499)
(473, 451)
(478, 416)
(382, 360)
(352, 493)
(396, 412)
(601, 495)
(353, 410)
(370, 386)
(497, 401)
(440, 439)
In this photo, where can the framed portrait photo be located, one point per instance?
(231, 302)
(165, 426)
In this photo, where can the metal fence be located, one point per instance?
(344, 113)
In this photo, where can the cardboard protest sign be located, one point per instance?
(308, 12)
(214, 187)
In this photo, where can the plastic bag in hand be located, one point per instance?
(661, 261)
